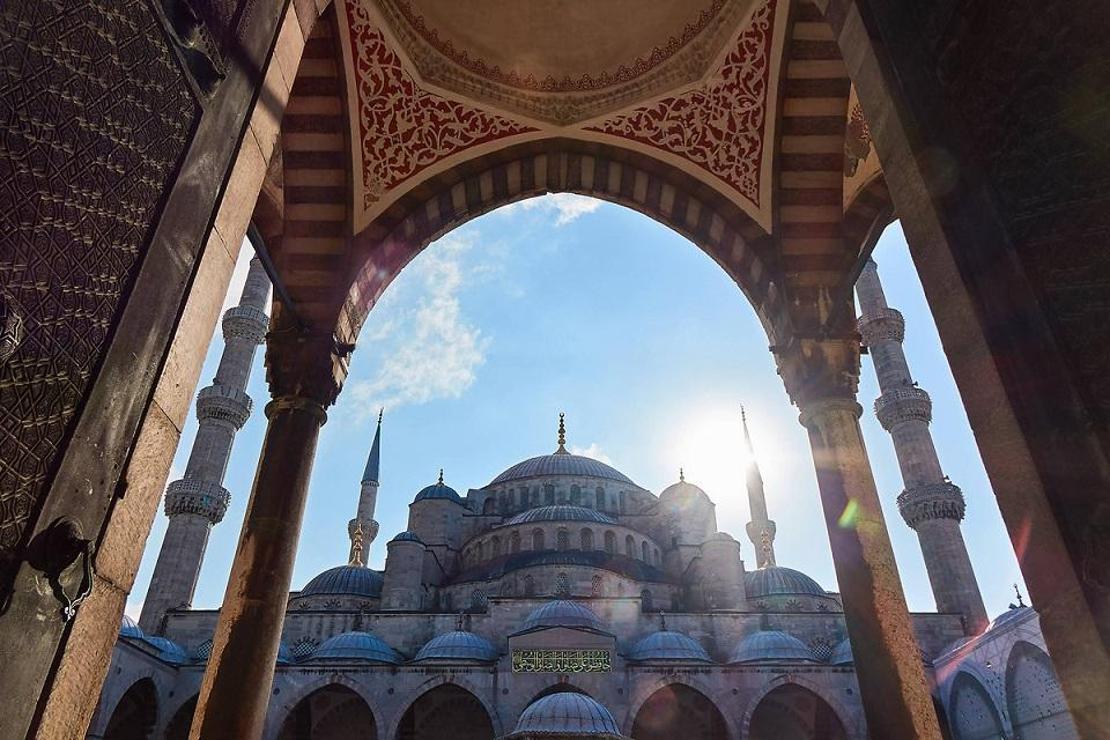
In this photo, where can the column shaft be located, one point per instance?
(892, 682)
(236, 688)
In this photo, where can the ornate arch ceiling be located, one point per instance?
(432, 83)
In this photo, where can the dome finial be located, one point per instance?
(663, 621)
(681, 475)
(1018, 592)
(381, 413)
(562, 434)
(356, 546)
(440, 481)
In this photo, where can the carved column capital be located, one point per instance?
(305, 365)
(819, 370)
(931, 501)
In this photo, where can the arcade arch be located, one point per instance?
(1034, 699)
(332, 712)
(678, 710)
(135, 714)
(793, 712)
(446, 706)
(178, 726)
(972, 711)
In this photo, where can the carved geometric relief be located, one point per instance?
(718, 126)
(94, 117)
(403, 128)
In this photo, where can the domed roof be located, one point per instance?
(407, 536)
(563, 613)
(439, 490)
(356, 646)
(667, 645)
(129, 628)
(566, 713)
(561, 513)
(622, 564)
(842, 653)
(458, 645)
(771, 645)
(1010, 616)
(345, 580)
(682, 489)
(168, 650)
(561, 463)
(775, 580)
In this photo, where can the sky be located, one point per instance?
(568, 304)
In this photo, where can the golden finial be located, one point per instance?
(440, 481)
(356, 546)
(562, 433)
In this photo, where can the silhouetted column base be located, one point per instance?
(892, 681)
(236, 688)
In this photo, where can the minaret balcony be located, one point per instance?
(931, 501)
(200, 497)
(222, 403)
(899, 405)
(245, 322)
(881, 326)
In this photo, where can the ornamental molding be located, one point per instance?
(931, 501)
(245, 322)
(203, 498)
(900, 405)
(881, 326)
(224, 404)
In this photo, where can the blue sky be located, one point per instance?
(564, 303)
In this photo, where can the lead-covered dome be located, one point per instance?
(561, 463)
(566, 714)
(129, 628)
(345, 580)
(458, 645)
(439, 490)
(168, 650)
(561, 513)
(563, 613)
(356, 646)
(775, 580)
(771, 646)
(667, 645)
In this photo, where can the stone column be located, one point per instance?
(930, 504)
(236, 688)
(821, 378)
(198, 501)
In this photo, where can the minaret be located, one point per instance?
(197, 501)
(364, 525)
(931, 504)
(761, 530)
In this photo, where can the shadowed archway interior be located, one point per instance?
(135, 714)
(446, 706)
(331, 713)
(178, 728)
(679, 711)
(792, 712)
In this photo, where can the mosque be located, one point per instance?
(564, 600)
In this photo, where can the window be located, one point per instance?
(562, 540)
(599, 494)
(629, 546)
(514, 542)
(478, 600)
(529, 586)
(488, 506)
(657, 556)
(549, 495)
(597, 587)
(496, 547)
(610, 542)
(645, 551)
(537, 539)
(576, 495)
(562, 585)
(646, 602)
(586, 539)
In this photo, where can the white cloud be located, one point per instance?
(566, 207)
(594, 451)
(427, 348)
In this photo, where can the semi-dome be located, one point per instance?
(168, 650)
(439, 490)
(562, 463)
(771, 645)
(667, 645)
(561, 513)
(842, 653)
(563, 613)
(775, 580)
(129, 628)
(566, 714)
(407, 536)
(345, 580)
(458, 645)
(356, 646)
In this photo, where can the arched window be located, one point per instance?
(529, 586)
(656, 561)
(586, 539)
(562, 540)
(478, 600)
(610, 542)
(646, 601)
(495, 544)
(629, 546)
(514, 542)
(549, 495)
(599, 494)
(576, 495)
(645, 552)
(624, 500)
(488, 506)
(537, 539)
(512, 499)
(597, 586)
(562, 585)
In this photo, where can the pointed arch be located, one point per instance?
(332, 712)
(972, 711)
(178, 726)
(678, 710)
(644, 690)
(447, 705)
(850, 724)
(292, 696)
(793, 712)
(1034, 698)
(135, 714)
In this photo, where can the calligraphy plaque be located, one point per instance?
(562, 661)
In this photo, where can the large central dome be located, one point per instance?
(561, 463)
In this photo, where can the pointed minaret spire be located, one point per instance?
(363, 528)
(562, 435)
(761, 530)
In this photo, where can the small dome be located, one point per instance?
(407, 536)
(345, 580)
(566, 714)
(561, 463)
(771, 645)
(842, 654)
(563, 613)
(667, 645)
(561, 513)
(168, 650)
(1010, 616)
(129, 628)
(439, 491)
(681, 490)
(356, 646)
(776, 580)
(458, 645)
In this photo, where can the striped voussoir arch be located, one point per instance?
(434, 207)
